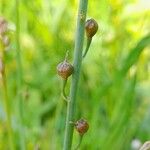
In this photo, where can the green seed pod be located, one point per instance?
(64, 69)
(82, 126)
(91, 28)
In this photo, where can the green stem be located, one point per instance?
(63, 89)
(19, 78)
(7, 109)
(80, 141)
(2, 6)
(75, 77)
(89, 40)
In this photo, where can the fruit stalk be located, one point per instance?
(91, 28)
(19, 79)
(75, 77)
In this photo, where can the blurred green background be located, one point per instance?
(114, 89)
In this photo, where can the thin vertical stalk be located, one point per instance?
(2, 6)
(80, 141)
(19, 78)
(7, 108)
(75, 77)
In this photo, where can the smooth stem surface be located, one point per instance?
(75, 77)
(89, 40)
(63, 89)
(2, 6)
(80, 141)
(19, 78)
(7, 109)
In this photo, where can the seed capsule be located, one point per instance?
(91, 28)
(82, 126)
(64, 69)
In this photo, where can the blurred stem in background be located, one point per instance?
(2, 6)
(75, 77)
(6, 100)
(19, 79)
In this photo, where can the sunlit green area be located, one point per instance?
(114, 88)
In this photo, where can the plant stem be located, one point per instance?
(2, 6)
(75, 77)
(80, 141)
(7, 108)
(89, 40)
(19, 78)
(63, 89)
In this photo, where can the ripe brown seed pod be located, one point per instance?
(91, 27)
(64, 69)
(82, 126)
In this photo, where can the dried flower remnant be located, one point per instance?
(3, 26)
(6, 40)
(1, 66)
(4, 37)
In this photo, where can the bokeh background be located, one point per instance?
(114, 88)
